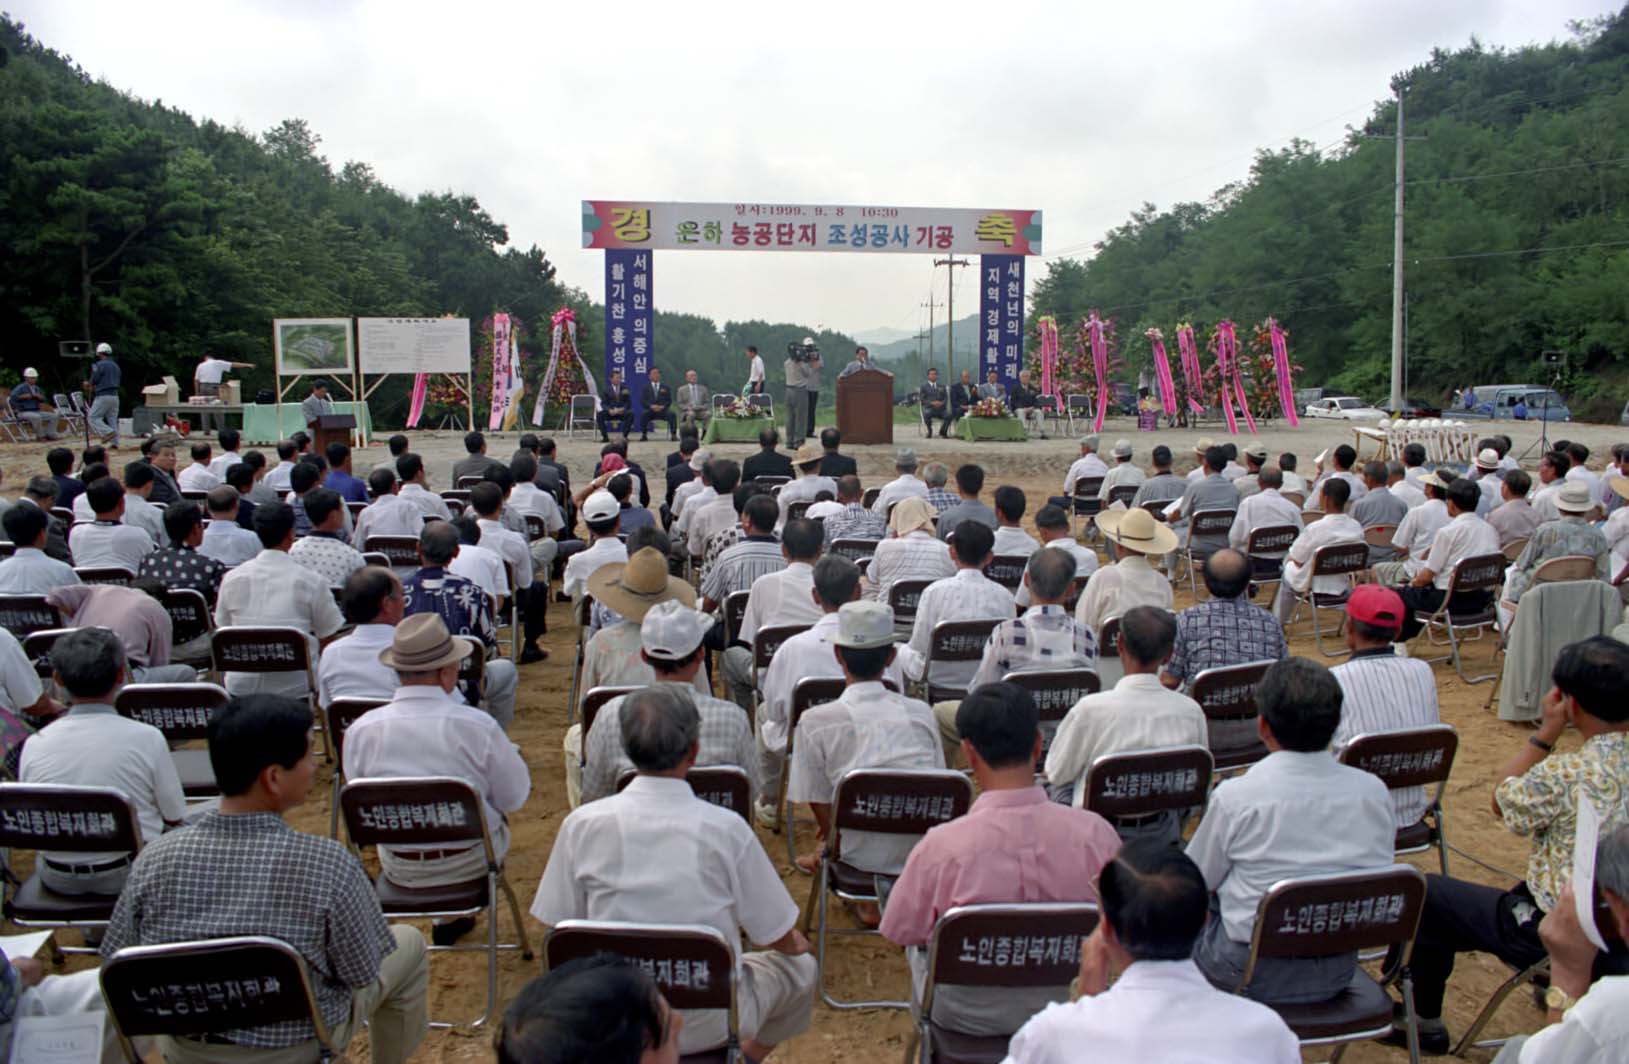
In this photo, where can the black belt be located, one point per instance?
(87, 869)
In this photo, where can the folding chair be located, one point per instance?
(581, 611)
(1007, 570)
(953, 641)
(1135, 789)
(104, 574)
(771, 482)
(467, 482)
(460, 496)
(1203, 523)
(59, 819)
(725, 786)
(399, 551)
(338, 716)
(1337, 559)
(433, 812)
(7, 548)
(369, 557)
(735, 608)
(798, 510)
(1514, 548)
(1055, 692)
(593, 702)
(195, 989)
(63, 514)
(1085, 504)
(1321, 916)
(199, 497)
(869, 499)
(181, 711)
(72, 418)
(1053, 413)
(1228, 698)
(1077, 406)
(266, 649)
(903, 596)
(1565, 569)
(1123, 494)
(765, 641)
(535, 528)
(355, 508)
(1378, 537)
(880, 801)
(1296, 498)
(190, 620)
(692, 965)
(807, 693)
(1485, 572)
(1077, 587)
(1034, 945)
(723, 401)
(22, 615)
(1411, 757)
(1266, 548)
(37, 649)
(853, 549)
(763, 403)
(16, 429)
(580, 415)
(1108, 639)
(513, 611)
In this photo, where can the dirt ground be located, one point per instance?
(868, 965)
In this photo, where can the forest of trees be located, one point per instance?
(1517, 234)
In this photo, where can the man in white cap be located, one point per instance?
(1200, 446)
(1334, 528)
(31, 406)
(1124, 473)
(427, 730)
(1087, 466)
(1412, 540)
(670, 640)
(868, 727)
(1571, 535)
(1488, 480)
(809, 482)
(658, 853)
(601, 513)
(1255, 457)
(907, 483)
(1131, 581)
(103, 384)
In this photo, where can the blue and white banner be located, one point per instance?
(1001, 316)
(630, 320)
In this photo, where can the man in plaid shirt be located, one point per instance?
(936, 475)
(1226, 629)
(242, 870)
(855, 521)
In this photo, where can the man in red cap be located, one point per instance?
(1381, 689)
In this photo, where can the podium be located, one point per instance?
(331, 428)
(865, 407)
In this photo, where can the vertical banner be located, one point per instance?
(500, 371)
(1001, 316)
(630, 320)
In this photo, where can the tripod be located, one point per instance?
(1543, 442)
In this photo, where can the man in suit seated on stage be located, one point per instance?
(935, 404)
(963, 394)
(695, 403)
(615, 405)
(657, 399)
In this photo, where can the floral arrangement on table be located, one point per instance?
(739, 409)
(988, 407)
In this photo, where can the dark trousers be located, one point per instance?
(1460, 917)
(808, 422)
(1427, 599)
(534, 611)
(667, 415)
(604, 421)
(942, 415)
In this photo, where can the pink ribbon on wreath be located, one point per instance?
(561, 316)
(1049, 357)
(1281, 370)
(1100, 366)
(415, 409)
(1227, 356)
(1162, 371)
(1193, 377)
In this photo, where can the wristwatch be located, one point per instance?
(1558, 999)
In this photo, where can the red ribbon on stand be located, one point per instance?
(1193, 377)
(1162, 371)
(1227, 356)
(1100, 366)
(1281, 370)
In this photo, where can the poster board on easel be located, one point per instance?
(314, 347)
(437, 346)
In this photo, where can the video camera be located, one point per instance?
(804, 352)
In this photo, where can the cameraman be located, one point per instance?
(812, 384)
(797, 389)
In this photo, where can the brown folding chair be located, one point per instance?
(196, 989)
(369, 557)
(355, 508)
(1266, 548)
(1007, 570)
(465, 483)
(869, 499)
(798, 510)
(903, 596)
(1411, 757)
(1565, 569)
(692, 965)
(1484, 572)
(199, 497)
(535, 528)
(1085, 504)
(434, 812)
(765, 641)
(1296, 498)
(807, 693)
(1514, 548)
(399, 551)
(1378, 538)
(1337, 559)
(1055, 692)
(338, 717)
(735, 608)
(997, 946)
(1123, 494)
(725, 786)
(60, 819)
(881, 801)
(1228, 698)
(1320, 916)
(1203, 523)
(771, 482)
(266, 649)
(22, 615)
(37, 649)
(954, 641)
(1136, 788)
(853, 549)
(190, 619)
(594, 701)
(104, 574)
(181, 711)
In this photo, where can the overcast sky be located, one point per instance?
(1081, 110)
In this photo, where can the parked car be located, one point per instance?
(1500, 402)
(1305, 397)
(1413, 408)
(1344, 408)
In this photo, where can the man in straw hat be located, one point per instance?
(909, 552)
(1571, 535)
(868, 727)
(427, 730)
(670, 641)
(809, 482)
(1255, 458)
(1130, 581)
(1335, 527)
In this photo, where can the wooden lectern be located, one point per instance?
(865, 407)
(331, 428)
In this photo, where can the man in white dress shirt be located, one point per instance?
(29, 570)
(966, 596)
(1087, 466)
(656, 853)
(684, 493)
(1124, 472)
(197, 477)
(373, 601)
(602, 515)
(1052, 526)
(1552, 474)
(224, 539)
(415, 489)
(1010, 537)
(1263, 508)
(755, 372)
(1402, 487)
(1577, 470)
(1160, 1007)
(106, 541)
(529, 500)
(906, 484)
(1334, 528)
(1294, 483)
(138, 512)
(868, 727)
(486, 499)
(1131, 581)
(277, 477)
(426, 730)
(1345, 459)
(1464, 536)
(784, 597)
(1273, 823)
(702, 523)
(1416, 531)
(481, 566)
(388, 514)
(229, 439)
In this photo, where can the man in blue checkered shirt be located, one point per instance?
(1226, 629)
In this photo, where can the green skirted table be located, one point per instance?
(974, 429)
(260, 424)
(736, 429)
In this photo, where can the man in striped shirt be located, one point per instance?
(1381, 691)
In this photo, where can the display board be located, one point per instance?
(414, 345)
(313, 347)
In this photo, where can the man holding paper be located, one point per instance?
(28, 996)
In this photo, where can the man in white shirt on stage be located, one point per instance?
(206, 379)
(755, 372)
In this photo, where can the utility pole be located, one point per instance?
(930, 304)
(1397, 268)
(950, 309)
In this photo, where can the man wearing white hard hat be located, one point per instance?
(103, 384)
(31, 407)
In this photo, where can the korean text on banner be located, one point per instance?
(609, 224)
(630, 320)
(1001, 316)
(414, 345)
